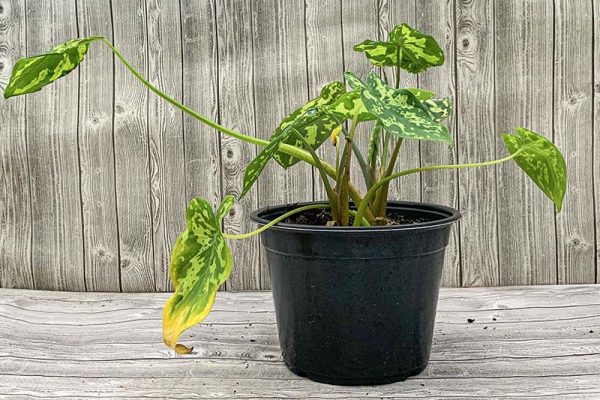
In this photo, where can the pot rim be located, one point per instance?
(451, 216)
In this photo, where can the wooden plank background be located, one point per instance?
(96, 171)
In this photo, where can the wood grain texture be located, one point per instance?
(57, 237)
(96, 151)
(476, 141)
(526, 227)
(165, 124)
(596, 133)
(573, 135)
(96, 193)
(525, 342)
(237, 111)
(325, 62)
(132, 159)
(440, 187)
(392, 13)
(279, 65)
(15, 196)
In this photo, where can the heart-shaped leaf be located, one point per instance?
(421, 94)
(350, 105)
(398, 110)
(314, 134)
(541, 161)
(33, 73)
(200, 264)
(416, 50)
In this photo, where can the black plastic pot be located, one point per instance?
(356, 306)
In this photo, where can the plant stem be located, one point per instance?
(286, 148)
(380, 203)
(343, 200)
(275, 221)
(365, 202)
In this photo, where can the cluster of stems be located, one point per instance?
(378, 169)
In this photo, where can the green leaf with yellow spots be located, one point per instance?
(33, 73)
(349, 105)
(200, 264)
(440, 109)
(312, 120)
(541, 161)
(421, 94)
(314, 134)
(416, 50)
(398, 110)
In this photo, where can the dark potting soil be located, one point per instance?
(320, 217)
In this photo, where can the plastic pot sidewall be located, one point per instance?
(357, 306)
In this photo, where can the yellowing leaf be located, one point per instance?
(200, 263)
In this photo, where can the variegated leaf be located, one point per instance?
(541, 161)
(440, 109)
(200, 263)
(308, 124)
(349, 105)
(400, 112)
(421, 94)
(314, 134)
(225, 207)
(33, 73)
(418, 51)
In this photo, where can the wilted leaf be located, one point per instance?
(33, 73)
(418, 51)
(541, 161)
(200, 263)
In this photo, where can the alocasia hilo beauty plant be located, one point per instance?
(201, 260)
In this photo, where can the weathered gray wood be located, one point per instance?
(392, 13)
(165, 124)
(237, 110)
(96, 151)
(440, 187)
(596, 133)
(57, 237)
(325, 62)
(132, 160)
(526, 229)
(525, 342)
(573, 135)
(279, 65)
(15, 196)
(476, 141)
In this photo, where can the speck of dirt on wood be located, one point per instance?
(591, 331)
(470, 320)
(485, 327)
(494, 319)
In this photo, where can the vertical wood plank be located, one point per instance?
(279, 88)
(236, 103)
(392, 13)
(131, 149)
(526, 231)
(202, 150)
(57, 242)
(436, 18)
(96, 151)
(573, 135)
(325, 62)
(476, 141)
(15, 205)
(596, 124)
(167, 172)
(359, 22)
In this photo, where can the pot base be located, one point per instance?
(331, 380)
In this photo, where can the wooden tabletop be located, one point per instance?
(522, 342)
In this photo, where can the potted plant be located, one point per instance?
(355, 278)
